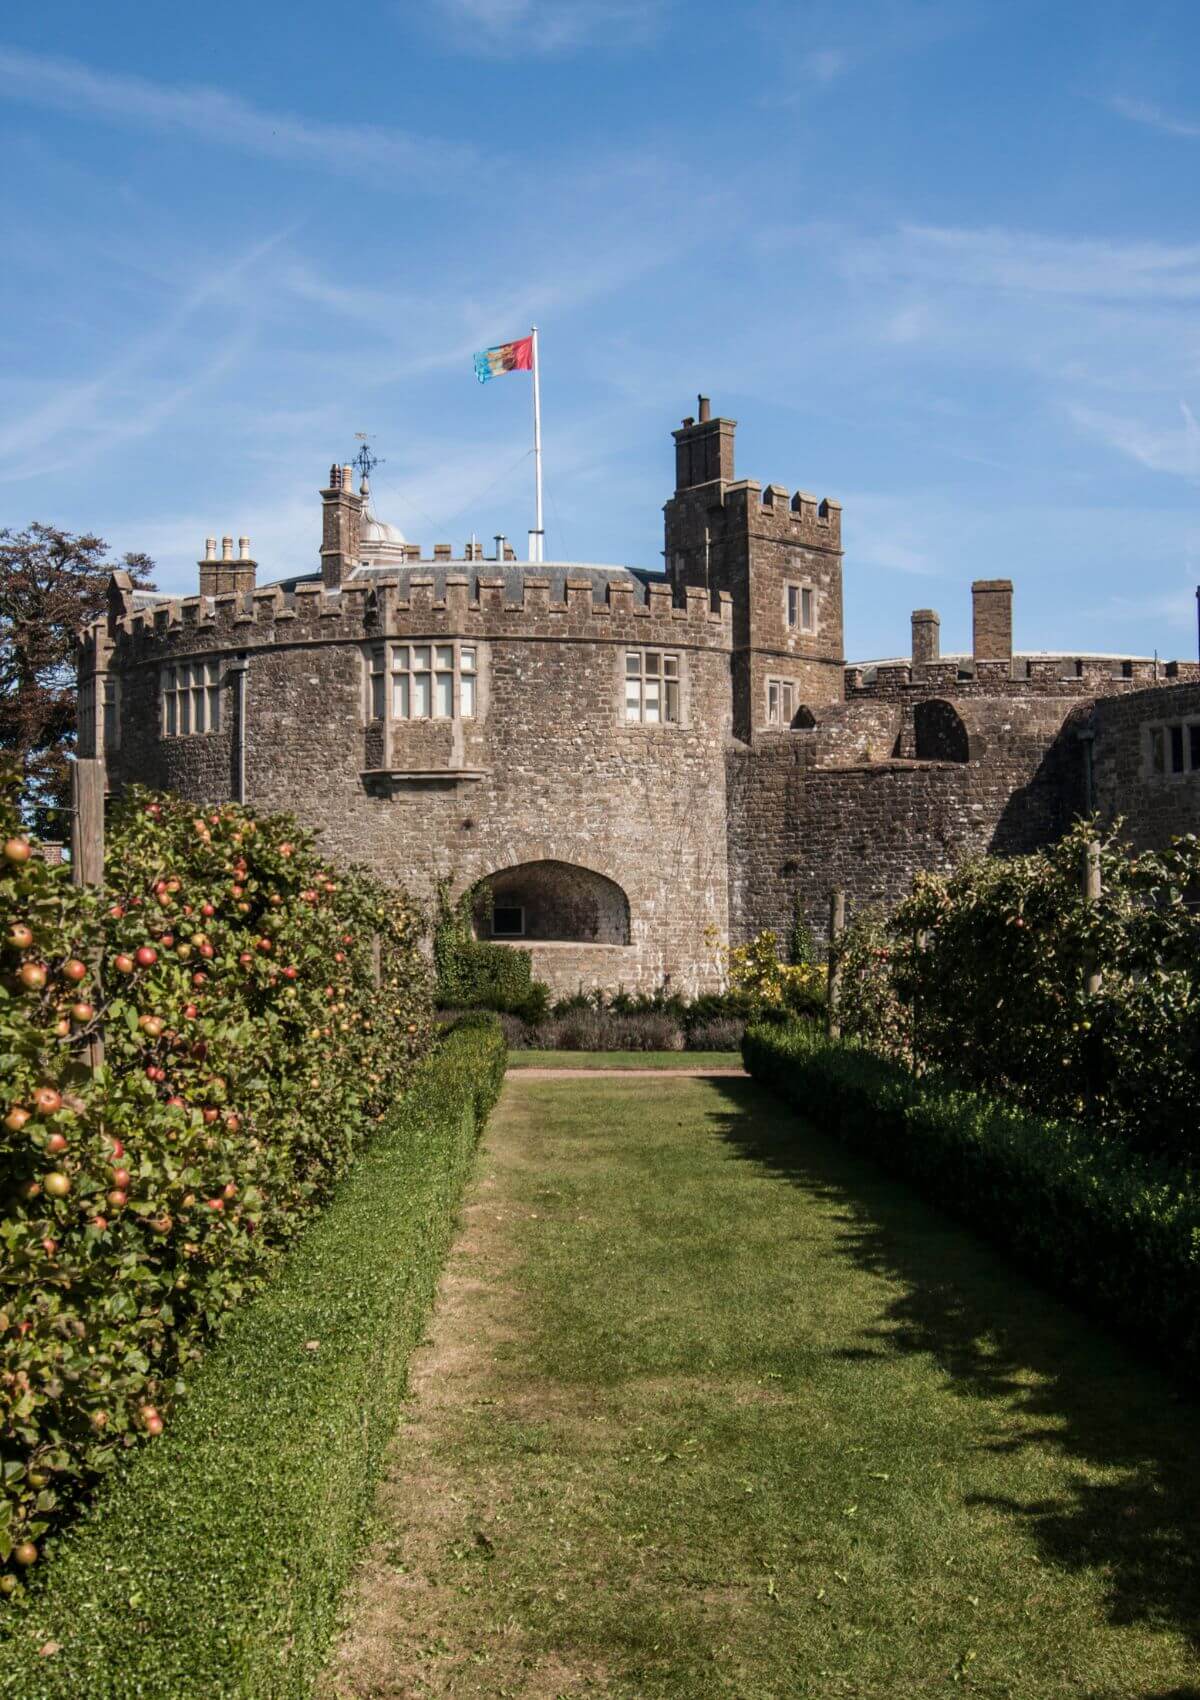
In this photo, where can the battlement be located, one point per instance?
(462, 604)
(772, 510)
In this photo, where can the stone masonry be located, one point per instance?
(644, 767)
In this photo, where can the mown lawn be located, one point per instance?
(625, 1059)
(711, 1408)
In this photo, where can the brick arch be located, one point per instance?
(558, 901)
(940, 732)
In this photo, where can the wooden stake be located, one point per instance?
(87, 850)
(1091, 894)
(837, 926)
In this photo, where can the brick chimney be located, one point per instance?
(340, 512)
(704, 448)
(926, 637)
(991, 609)
(227, 576)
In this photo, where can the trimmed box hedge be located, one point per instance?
(212, 1569)
(1117, 1232)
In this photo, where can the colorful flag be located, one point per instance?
(509, 357)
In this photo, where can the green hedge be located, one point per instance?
(1117, 1232)
(212, 1569)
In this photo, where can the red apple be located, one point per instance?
(230, 1190)
(20, 936)
(33, 976)
(210, 1114)
(16, 1118)
(116, 1149)
(289, 972)
(82, 1012)
(123, 964)
(56, 1143)
(100, 1223)
(190, 1011)
(216, 1204)
(18, 849)
(117, 911)
(75, 970)
(245, 959)
(154, 1425)
(233, 1122)
(25, 1552)
(56, 1184)
(117, 1198)
(198, 979)
(46, 1100)
(207, 910)
(99, 1419)
(120, 1179)
(145, 956)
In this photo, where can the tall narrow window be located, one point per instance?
(651, 687)
(85, 731)
(801, 608)
(1158, 750)
(1176, 748)
(112, 712)
(780, 702)
(443, 681)
(378, 684)
(467, 683)
(1194, 741)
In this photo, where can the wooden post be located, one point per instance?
(1091, 894)
(837, 926)
(87, 850)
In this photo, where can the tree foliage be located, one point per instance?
(260, 1013)
(52, 584)
(984, 972)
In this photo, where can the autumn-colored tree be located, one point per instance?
(52, 583)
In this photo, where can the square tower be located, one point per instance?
(780, 558)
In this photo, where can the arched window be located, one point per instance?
(939, 732)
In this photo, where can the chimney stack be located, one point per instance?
(704, 448)
(926, 637)
(991, 609)
(227, 577)
(341, 510)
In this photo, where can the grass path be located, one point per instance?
(712, 1409)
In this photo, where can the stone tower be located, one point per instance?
(779, 556)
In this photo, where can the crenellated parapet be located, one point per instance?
(461, 605)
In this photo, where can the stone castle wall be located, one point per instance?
(1155, 807)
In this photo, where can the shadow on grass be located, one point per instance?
(998, 1336)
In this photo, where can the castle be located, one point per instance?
(642, 766)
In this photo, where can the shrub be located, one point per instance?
(259, 1015)
(478, 973)
(1118, 1231)
(211, 1569)
(722, 1033)
(983, 971)
(756, 971)
(802, 947)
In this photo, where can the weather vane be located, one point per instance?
(364, 460)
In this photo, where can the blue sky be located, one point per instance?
(940, 258)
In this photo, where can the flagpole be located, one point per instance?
(537, 536)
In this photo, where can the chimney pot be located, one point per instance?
(705, 408)
(688, 421)
(210, 548)
(227, 548)
(243, 548)
(348, 478)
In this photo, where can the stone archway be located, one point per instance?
(939, 732)
(552, 901)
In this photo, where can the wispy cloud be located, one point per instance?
(1031, 264)
(505, 27)
(386, 156)
(1158, 446)
(1145, 112)
(130, 396)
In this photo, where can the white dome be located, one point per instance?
(372, 530)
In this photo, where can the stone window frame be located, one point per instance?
(802, 588)
(785, 693)
(190, 691)
(85, 718)
(1168, 740)
(670, 673)
(386, 684)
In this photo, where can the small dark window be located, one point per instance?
(1127, 669)
(1176, 749)
(1194, 740)
(508, 921)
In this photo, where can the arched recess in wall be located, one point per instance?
(552, 901)
(804, 719)
(939, 732)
